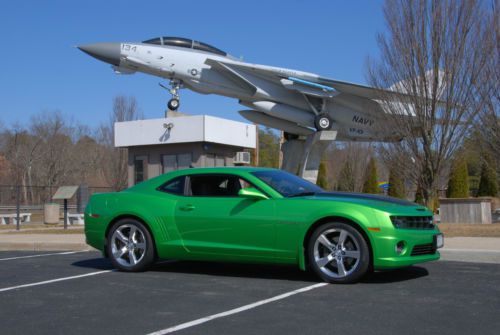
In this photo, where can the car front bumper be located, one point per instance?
(419, 246)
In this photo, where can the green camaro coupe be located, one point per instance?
(248, 214)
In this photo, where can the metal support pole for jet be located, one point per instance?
(302, 157)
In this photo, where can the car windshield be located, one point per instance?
(287, 184)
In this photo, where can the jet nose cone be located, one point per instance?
(107, 52)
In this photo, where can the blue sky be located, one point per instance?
(43, 71)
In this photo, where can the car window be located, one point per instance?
(286, 183)
(216, 185)
(174, 186)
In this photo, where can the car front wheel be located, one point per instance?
(130, 246)
(338, 253)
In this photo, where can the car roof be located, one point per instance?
(222, 169)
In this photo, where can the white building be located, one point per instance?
(157, 146)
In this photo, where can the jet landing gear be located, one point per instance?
(174, 103)
(322, 122)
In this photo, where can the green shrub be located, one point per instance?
(458, 184)
(371, 185)
(396, 185)
(488, 182)
(322, 180)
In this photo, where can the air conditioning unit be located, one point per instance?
(242, 157)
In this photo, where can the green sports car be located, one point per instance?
(247, 214)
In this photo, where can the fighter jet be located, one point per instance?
(297, 102)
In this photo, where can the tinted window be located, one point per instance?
(174, 186)
(215, 185)
(208, 48)
(286, 183)
(140, 169)
(178, 42)
(185, 43)
(153, 41)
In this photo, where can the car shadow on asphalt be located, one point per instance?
(261, 271)
(243, 270)
(396, 275)
(94, 263)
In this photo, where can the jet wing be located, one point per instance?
(364, 91)
(233, 75)
(237, 72)
(318, 87)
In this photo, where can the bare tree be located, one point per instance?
(347, 163)
(22, 150)
(436, 52)
(489, 126)
(53, 168)
(115, 160)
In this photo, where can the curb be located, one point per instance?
(470, 255)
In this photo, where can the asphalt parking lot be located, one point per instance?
(78, 293)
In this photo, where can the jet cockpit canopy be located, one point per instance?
(185, 43)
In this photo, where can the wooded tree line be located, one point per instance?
(51, 150)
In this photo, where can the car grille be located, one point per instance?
(423, 249)
(412, 222)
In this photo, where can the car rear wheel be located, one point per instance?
(130, 246)
(338, 253)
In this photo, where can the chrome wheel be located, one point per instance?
(128, 245)
(173, 104)
(324, 123)
(337, 253)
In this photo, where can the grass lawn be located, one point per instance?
(470, 230)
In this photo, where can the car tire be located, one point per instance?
(334, 262)
(130, 246)
(322, 122)
(173, 104)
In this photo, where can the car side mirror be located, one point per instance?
(251, 193)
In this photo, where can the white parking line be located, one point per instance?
(235, 310)
(42, 255)
(54, 280)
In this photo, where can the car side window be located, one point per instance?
(174, 186)
(216, 185)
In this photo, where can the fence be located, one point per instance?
(31, 199)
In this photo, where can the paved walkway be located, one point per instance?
(471, 249)
(42, 242)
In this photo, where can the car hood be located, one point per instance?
(371, 200)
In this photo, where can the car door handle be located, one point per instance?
(187, 208)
